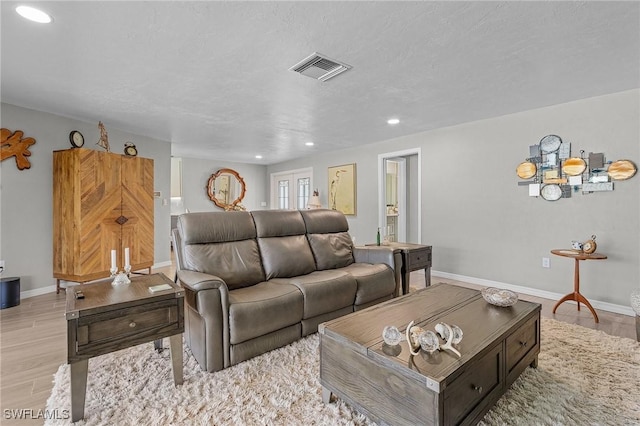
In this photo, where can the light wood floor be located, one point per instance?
(33, 343)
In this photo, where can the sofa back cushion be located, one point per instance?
(327, 232)
(222, 244)
(283, 246)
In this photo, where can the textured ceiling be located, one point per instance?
(213, 78)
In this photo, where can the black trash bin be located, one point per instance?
(9, 292)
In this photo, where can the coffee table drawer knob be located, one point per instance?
(523, 344)
(477, 388)
(132, 324)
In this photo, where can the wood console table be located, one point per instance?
(110, 318)
(576, 295)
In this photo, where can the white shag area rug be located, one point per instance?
(584, 377)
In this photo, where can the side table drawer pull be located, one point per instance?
(524, 344)
(477, 388)
(132, 324)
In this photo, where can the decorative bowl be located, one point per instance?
(499, 296)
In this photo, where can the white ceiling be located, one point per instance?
(213, 77)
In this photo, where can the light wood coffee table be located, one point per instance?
(110, 318)
(391, 386)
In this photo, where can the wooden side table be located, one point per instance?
(576, 295)
(110, 318)
(414, 258)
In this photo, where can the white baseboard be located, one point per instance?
(605, 306)
(64, 284)
(37, 291)
(161, 264)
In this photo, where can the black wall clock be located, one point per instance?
(76, 139)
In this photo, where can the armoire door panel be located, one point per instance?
(138, 208)
(101, 202)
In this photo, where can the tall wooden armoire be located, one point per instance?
(101, 202)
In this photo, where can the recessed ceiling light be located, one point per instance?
(258, 156)
(393, 121)
(308, 143)
(33, 14)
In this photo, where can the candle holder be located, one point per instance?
(120, 277)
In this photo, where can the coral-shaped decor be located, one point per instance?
(13, 144)
(104, 137)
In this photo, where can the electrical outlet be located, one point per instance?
(545, 262)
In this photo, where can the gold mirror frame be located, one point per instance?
(212, 193)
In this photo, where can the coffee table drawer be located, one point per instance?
(473, 386)
(127, 326)
(521, 342)
(419, 259)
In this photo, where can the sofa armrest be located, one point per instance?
(382, 254)
(206, 318)
(197, 281)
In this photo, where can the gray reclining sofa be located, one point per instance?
(256, 281)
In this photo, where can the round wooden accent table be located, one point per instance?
(576, 296)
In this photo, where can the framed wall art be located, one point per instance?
(342, 188)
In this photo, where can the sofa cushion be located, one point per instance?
(221, 244)
(284, 248)
(237, 263)
(330, 242)
(216, 227)
(263, 308)
(323, 291)
(324, 221)
(278, 223)
(331, 251)
(374, 281)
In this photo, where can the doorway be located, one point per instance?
(291, 189)
(400, 195)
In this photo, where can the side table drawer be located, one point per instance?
(472, 387)
(419, 259)
(128, 326)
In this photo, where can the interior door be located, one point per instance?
(291, 190)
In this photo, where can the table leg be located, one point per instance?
(326, 395)
(584, 300)
(78, 388)
(427, 276)
(157, 345)
(175, 343)
(576, 280)
(576, 296)
(406, 278)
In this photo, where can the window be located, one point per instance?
(303, 192)
(283, 194)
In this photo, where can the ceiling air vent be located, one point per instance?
(320, 67)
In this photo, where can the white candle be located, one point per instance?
(126, 257)
(113, 260)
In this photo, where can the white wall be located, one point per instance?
(26, 201)
(481, 224)
(196, 173)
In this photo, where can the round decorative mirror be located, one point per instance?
(226, 189)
